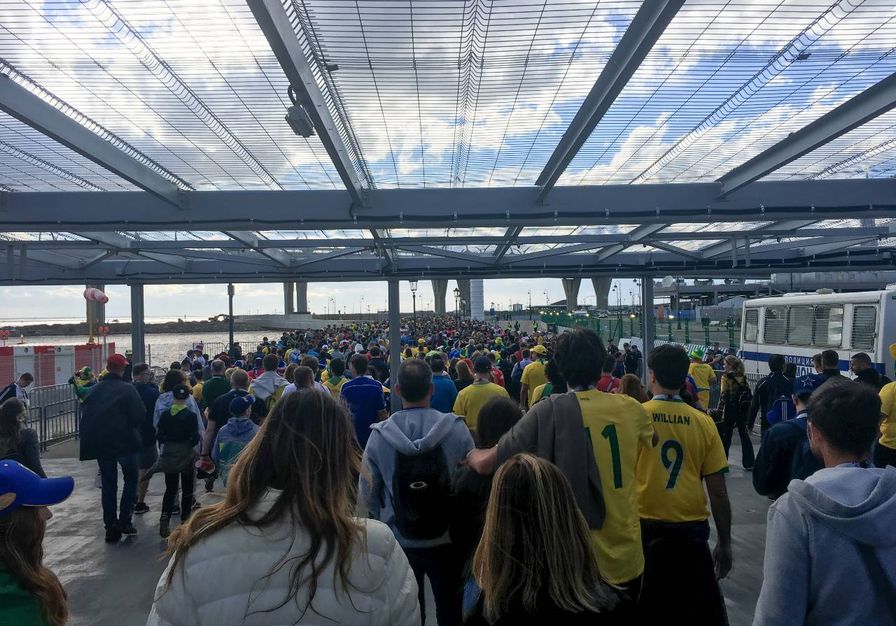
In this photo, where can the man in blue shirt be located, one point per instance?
(365, 398)
(445, 390)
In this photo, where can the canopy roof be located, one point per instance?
(145, 140)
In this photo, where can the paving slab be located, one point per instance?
(113, 585)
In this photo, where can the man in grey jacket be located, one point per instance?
(830, 550)
(409, 458)
(110, 433)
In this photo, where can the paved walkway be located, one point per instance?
(113, 585)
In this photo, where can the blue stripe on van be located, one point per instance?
(801, 361)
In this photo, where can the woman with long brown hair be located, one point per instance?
(17, 441)
(535, 562)
(631, 386)
(284, 546)
(734, 406)
(464, 376)
(30, 594)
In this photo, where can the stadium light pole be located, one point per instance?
(414, 299)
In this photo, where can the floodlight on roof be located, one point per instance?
(299, 121)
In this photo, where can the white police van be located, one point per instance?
(800, 325)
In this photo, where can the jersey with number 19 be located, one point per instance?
(670, 476)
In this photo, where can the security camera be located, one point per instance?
(299, 121)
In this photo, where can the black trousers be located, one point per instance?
(883, 455)
(726, 431)
(443, 566)
(187, 479)
(679, 583)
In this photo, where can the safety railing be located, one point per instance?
(54, 412)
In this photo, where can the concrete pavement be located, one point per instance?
(113, 585)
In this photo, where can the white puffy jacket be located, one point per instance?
(223, 572)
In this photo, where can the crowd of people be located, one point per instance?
(529, 477)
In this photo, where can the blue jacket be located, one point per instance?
(775, 462)
(445, 393)
(232, 438)
(110, 420)
(412, 431)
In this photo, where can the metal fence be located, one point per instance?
(54, 412)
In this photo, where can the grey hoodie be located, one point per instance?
(813, 572)
(266, 385)
(412, 431)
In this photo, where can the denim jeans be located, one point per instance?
(121, 516)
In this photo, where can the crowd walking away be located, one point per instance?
(311, 487)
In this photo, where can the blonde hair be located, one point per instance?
(536, 544)
(737, 366)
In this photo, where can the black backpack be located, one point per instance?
(804, 463)
(421, 494)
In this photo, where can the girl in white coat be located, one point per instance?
(283, 547)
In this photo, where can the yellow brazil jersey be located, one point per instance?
(670, 476)
(888, 408)
(703, 376)
(533, 376)
(334, 388)
(197, 393)
(618, 427)
(539, 393)
(471, 398)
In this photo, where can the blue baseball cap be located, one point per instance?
(805, 385)
(241, 404)
(19, 487)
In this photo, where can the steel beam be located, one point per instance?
(509, 239)
(364, 267)
(639, 38)
(874, 101)
(47, 119)
(452, 208)
(317, 258)
(275, 24)
(448, 254)
(638, 235)
(251, 239)
(774, 231)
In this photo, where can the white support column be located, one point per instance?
(477, 299)
(571, 291)
(302, 297)
(288, 298)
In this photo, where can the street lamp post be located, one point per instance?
(678, 302)
(456, 309)
(530, 303)
(230, 293)
(414, 299)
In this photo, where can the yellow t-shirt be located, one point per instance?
(703, 376)
(618, 427)
(670, 476)
(533, 376)
(471, 398)
(539, 393)
(334, 389)
(197, 393)
(888, 408)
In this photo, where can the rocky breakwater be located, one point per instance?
(123, 328)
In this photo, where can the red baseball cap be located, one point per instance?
(117, 360)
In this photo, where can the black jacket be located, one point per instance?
(767, 391)
(774, 467)
(871, 377)
(111, 417)
(469, 492)
(149, 393)
(26, 451)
